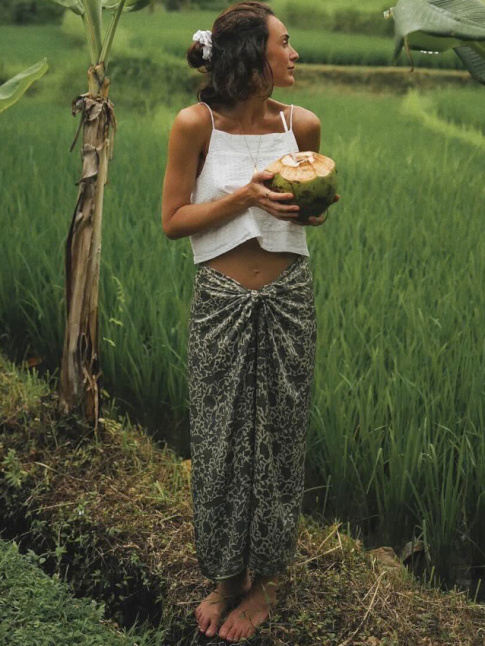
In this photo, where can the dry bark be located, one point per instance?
(80, 365)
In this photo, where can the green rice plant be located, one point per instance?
(340, 15)
(317, 46)
(474, 506)
(400, 319)
(161, 32)
(164, 38)
(459, 108)
(423, 109)
(440, 497)
(370, 6)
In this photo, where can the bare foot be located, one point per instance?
(251, 612)
(211, 609)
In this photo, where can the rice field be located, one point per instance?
(396, 434)
(142, 34)
(318, 44)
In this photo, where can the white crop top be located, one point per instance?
(228, 166)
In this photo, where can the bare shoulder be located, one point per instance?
(192, 128)
(193, 118)
(307, 129)
(305, 120)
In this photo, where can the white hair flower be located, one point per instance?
(205, 38)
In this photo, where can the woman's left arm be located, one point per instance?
(307, 129)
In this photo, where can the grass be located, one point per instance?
(40, 610)
(111, 515)
(145, 34)
(173, 32)
(398, 395)
(430, 115)
(459, 108)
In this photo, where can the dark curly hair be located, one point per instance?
(238, 67)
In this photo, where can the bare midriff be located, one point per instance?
(251, 265)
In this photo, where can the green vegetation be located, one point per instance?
(396, 267)
(318, 44)
(337, 15)
(454, 25)
(460, 108)
(36, 609)
(423, 109)
(13, 89)
(26, 12)
(143, 35)
(397, 409)
(112, 515)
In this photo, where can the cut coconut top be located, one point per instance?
(307, 166)
(297, 158)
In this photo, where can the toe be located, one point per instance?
(212, 629)
(224, 631)
(203, 624)
(250, 631)
(232, 636)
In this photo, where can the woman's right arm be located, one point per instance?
(180, 218)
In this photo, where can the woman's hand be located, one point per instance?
(259, 195)
(315, 221)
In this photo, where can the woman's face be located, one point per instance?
(280, 54)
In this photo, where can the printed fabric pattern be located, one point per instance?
(251, 360)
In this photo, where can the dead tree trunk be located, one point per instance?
(80, 365)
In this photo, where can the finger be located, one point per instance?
(316, 221)
(263, 174)
(284, 209)
(280, 196)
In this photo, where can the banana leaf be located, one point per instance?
(438, 25)
(473, 58)
(12, 90)
(130, 5)
(74, 5)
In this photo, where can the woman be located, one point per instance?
(252, 328)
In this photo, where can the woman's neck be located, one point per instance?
(250, 113)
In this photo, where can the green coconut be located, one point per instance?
(311, 177)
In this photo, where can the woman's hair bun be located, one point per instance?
(194, 55)
(237, 66)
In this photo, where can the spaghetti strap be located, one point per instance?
(212, 116)
(291, 117)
